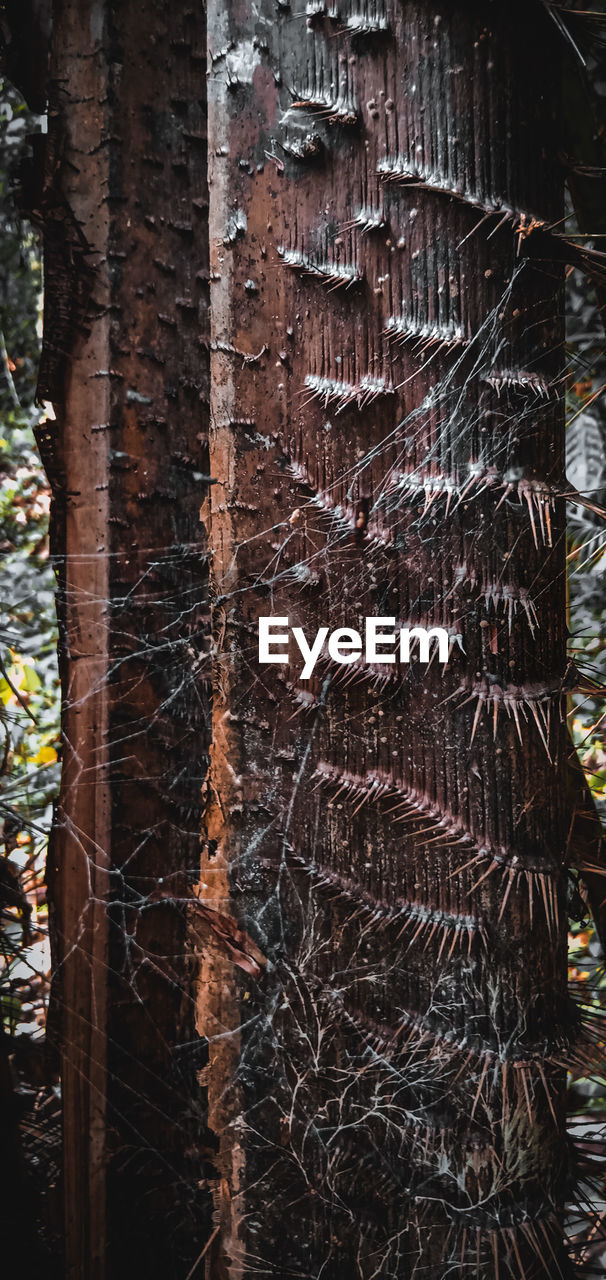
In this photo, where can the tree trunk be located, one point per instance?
(376, 939)
(126, 364)
(387, 440)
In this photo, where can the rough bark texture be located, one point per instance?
(387, 439)
(381, 1017)
(126, 364)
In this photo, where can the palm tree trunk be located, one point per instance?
(387, 440)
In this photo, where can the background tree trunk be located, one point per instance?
(126, 365)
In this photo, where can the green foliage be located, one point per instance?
(587, 537)
(586, 468)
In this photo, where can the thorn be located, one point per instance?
(494, 864)
(533, 708)
(507, 893)
(506, 492)
(547, 1093)
(542, 882)
(514, 707)
(540, 503)
(548, 522)
(476, 719)
(465, 865)
(531, 512)
(522, 1071)
(456, 936)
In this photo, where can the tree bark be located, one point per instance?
(387, 439)
(376, 936)
(126, 365)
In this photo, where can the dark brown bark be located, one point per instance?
(378, 942)
(387, 433)
(126, 365)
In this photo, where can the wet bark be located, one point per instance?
(376, 937)
(126, 365)
(387, 436)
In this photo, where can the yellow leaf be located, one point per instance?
(30, 680)
(6, 693)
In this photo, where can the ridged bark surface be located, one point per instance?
(126, 364)
(387, 439)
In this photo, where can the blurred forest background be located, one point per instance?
(30, 694)
(29, 720)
